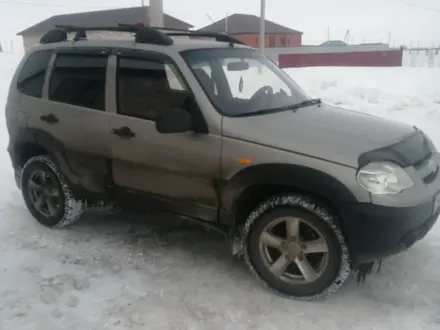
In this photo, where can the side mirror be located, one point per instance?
(173, 120)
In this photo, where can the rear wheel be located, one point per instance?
(47, 194)
(295, 246)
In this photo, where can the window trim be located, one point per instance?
(48, 68)
(97, 51)
(154, 55)
(91, 51)
(48, 76)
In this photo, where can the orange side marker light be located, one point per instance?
(245, 161)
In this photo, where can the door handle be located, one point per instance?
(50, 118)
(124, 132)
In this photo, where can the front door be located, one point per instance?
(179, 171)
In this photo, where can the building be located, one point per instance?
(112, 17)
(366, 55)
(247, 29)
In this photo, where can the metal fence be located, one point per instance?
(421, 57)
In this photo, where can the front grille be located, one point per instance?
(427, 169)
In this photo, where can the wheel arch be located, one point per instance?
(261, 181)
(33, 142)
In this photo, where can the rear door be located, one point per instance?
(74, 104)
(179, 171)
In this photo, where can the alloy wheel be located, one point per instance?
(44, 193)
(293, 250)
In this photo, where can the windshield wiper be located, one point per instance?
(304, 104)
(293, 107)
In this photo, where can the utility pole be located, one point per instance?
(226, 23)
(263, 25)
(156, 13)
(146, 18)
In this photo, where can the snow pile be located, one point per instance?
(8, 193)
(123, 272)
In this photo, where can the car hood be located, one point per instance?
(320, 131)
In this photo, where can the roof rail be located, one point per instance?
(141, 25)
(221, 37)
(143, 34)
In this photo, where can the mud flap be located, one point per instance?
(17, 176)
(236, 246)
(366, 269)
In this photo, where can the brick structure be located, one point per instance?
(247, 29)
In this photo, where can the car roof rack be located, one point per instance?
(173, 32)
(221, 37)
(143, 34)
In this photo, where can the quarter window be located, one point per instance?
(31, 77)
(79, 80)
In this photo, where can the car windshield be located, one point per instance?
(243, 81)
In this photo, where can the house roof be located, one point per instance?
(247, 24)
(102, 18)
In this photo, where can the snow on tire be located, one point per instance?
(68, 210)
(289, 212)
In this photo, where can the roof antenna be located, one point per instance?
(210, 18)
(226, 23)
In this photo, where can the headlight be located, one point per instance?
(384, 178)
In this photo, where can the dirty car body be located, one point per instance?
(216, 132)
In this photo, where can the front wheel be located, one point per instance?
(48, 195)
(296, 247)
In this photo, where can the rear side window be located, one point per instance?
(31, 77)
(79, 80)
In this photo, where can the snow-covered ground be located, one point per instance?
(156, 273)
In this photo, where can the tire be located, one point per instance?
(63, 209)
(267, 249)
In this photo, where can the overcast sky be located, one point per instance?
(408, 21)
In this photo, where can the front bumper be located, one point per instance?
(17, 176)
(375, 232)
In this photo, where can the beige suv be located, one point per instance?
(214, 131)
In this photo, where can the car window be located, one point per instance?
(247, 81)
(175, 82)
(79, 80)
(145, 86)
(203, 73)
(244, 84)
(31, 78)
